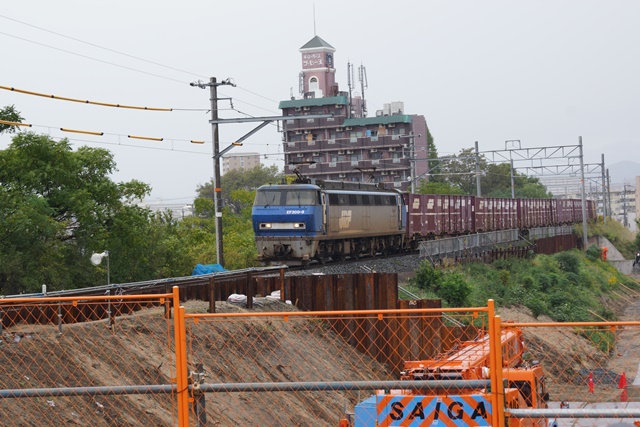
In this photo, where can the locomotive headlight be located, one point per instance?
(299, 225)
(265, 225)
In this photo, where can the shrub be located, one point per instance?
(568, 261)
(427, 277)
(593, 253)
(536, 303)
(454, 289)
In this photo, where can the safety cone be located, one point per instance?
(623, 381)
(624, 395)
(591, 382)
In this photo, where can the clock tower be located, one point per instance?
(318, 74)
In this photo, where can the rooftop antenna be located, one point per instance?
(362, 76)
(314, 19)
(351, 82)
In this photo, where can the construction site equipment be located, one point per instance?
(523, 379)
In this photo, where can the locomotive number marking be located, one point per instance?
(294, 212)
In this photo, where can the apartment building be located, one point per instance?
(389, 147)
(242, 161)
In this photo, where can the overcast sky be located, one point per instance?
(542, 72)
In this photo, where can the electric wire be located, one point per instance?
(83, 101)
(102, 47)
(94, 59)
(138, 137)
(129, 68)
(123, 66)
(120, 144)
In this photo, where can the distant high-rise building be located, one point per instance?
(244, 161)
(349, 146)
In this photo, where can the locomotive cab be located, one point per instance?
(286, 220)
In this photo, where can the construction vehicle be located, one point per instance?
(470, 360)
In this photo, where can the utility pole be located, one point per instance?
(604, 192)
(624, 205)
(609, 192)
(585, 240)
(412, 159)
(217, 198)
(513, 182)
(478, 189)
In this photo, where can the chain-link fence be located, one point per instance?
(277, 366)
(591, 370)
(89, 361)
(134, 361)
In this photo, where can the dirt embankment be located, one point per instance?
(91, 355)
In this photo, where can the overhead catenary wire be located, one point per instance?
(104, 48)
(93, 59)
(7, 122)
(98, 133)
(123, 66)
(82, 101)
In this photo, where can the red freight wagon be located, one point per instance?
(482, 219)
(525, 213)
(424, 214)
(466, 212)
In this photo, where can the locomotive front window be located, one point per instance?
(301, 197)
(268, 198)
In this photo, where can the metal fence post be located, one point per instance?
(199, 398)
(59, 319)
(182, 382)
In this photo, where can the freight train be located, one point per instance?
(321, 220)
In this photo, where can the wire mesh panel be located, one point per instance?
(99, 362)
(591, 371)
(328, 362)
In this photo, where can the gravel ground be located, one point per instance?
(406, 264)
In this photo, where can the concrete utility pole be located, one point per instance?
(585, 240)
(478, 189)
(609, 192)
(513, 182)
(604, 192)
(217, 199)
(624, 205)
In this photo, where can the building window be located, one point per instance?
(313, 84)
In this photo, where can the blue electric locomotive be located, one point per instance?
(297, 223)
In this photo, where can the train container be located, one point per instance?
(512, 214)
(524, 213)
(564, 209)
(424, 215)
(466, 214)
(481, 217)
(451, 215)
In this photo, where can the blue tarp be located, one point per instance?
(207, 269)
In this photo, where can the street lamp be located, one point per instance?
(96, 259)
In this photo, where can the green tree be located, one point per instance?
(433, 165)
(496, 182)
(9, 114)
(459, 171)
(238, 179)
(438, 187)
(58, 206)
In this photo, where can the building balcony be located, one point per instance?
(381, 143)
